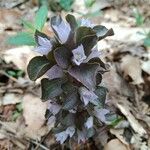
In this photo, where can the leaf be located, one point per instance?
(147, 41)
(22, 38)
(55, 72)
(66, 5)
(61, 28)
(28, 25)
(62, 56)
(101, 93)
(83, 32)
(100, 114)
(51, 88)
(38, 66)
(131, 67)
(86, 74)
(87, 96)
(72, 21)
(102, 32)
(41, 17)
(71, 101)
(78, 55)
(44, 43)
(89, 3)
(54, 108)
(88, 43)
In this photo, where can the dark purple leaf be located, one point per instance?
(87, 96)
(38, 66)
(45, 44)
(72, 21)
(55, 72)
(78, 55)
(101, 93)
(86, 74)
(61, 29)
(102, 31)
(62, 56)
(100, 114)
(94, 54)
(83, 32)
(88, 43)
(51, 88)
(71, 101)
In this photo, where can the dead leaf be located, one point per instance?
(131, 66)
(10, 98)
(146, 66)
(19, 56)
(9, 18)
(116, 145)
(137, 127)
(34, 114)
(119, 134)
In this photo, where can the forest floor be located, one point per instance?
(21, 110)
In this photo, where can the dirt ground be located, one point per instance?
(22, 114)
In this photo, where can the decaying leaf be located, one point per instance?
(34, 115)
(131, 66)
(115, 144)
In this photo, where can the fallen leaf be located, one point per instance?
(137, 127)
(34, 114)
(146, 66)
(20, 56)
(10, 98)
(9, 18)
(115, 144)
(131, 66)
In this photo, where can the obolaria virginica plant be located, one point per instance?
(74, 71)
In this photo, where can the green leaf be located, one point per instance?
(89, 3)
(66, 4)
(41, 17)
(28, 25)
(22, 38)
(139, 18)
(38, 66)
(147, 42)
(71, 101)
(51, 88)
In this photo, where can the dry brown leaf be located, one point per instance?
(131, 66)
(116, 84)
(9, 18)
(34, 114)
(137, 127)
(19, 56)
(115, 144)
(119, 134)
(146, 66)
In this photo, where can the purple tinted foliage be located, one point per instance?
(74, 72)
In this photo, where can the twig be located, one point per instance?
(40, 145)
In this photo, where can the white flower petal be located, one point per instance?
(78, 55)
(70, 131)
(61, 137)
(89, 122)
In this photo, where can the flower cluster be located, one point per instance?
(74, 71)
